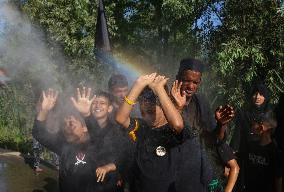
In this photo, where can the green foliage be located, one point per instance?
(16, 118)
(71, 23)
(248, 46)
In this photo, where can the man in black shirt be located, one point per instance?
(195, 169)
(86, 163)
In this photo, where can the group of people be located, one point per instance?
(152, 139)
(257, 141)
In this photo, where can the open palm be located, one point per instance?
(84, 102)
(224, 115)
(180, 97)
(49, 98)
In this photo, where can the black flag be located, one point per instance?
(102, 43)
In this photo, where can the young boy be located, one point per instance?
(263, 161)
(227, 159)
(84, 159)
(107, 130)
(155, 135)
(118, 87)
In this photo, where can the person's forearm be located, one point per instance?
(42, 115)
(111, 167)
(50, 141)
(233, 175)
(172, 114)
(278, 184)
(123, 113)
(221, 131)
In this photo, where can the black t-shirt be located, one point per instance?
(155, 154)
(263, 166)
(78, 163)
(225, 153)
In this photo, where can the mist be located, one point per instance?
(28, 58)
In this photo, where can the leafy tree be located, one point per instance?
(248, 46)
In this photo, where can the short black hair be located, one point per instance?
(266, 118)
(105, 94)
(67, 109)
(189, 64)
(147, 95)
(117, 80)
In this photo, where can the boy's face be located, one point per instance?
(151, 113)
(258, 99)
(190, 82)
(120, 92)
(74, 130)
(101, 107)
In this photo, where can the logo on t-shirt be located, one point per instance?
(257, 159)
(80, 159)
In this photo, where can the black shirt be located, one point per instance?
(195, 169)
(78, 162)
(155, 155)
(263, 166)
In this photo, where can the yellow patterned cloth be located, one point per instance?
(132, 134)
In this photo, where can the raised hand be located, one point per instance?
(224, 115)
(49, 99)
(47, 103)
(145, 80)
(180, 97)
(159, 82)
(83, 102)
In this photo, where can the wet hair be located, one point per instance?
(189, 64)
(117, 80)
(67, 109)
(262, 89)
(107, 95)
(148, 96)
(267, 118)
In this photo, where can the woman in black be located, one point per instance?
(243, 136)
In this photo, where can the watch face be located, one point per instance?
(161, 151)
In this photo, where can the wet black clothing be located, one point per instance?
(243, 135)
(244, 117)
(78, 162)
(242, 132)
(263, 165)
(195, 170)
(225, 152)
(155, 156)
(279, 131)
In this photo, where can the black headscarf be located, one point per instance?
(256, 110)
